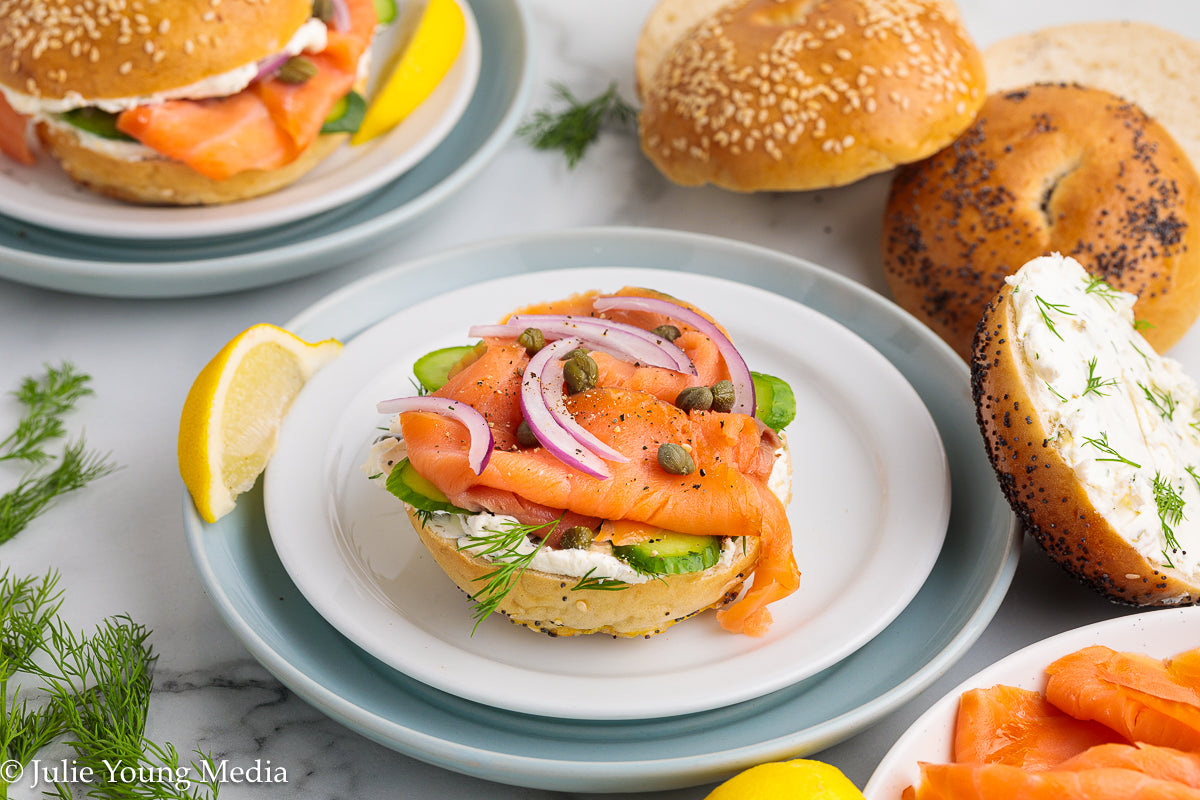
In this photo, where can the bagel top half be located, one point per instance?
(1094, 437)
(1047, 168)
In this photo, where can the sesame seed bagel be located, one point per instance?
(545, 602)
(56, 48)
(800, 94)
(1047, 168)
(160, 181)
(1090, 433)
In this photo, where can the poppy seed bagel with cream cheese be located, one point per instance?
(549, 603)
(1047, 168)
(105, 87)
(1092, 434)
(805, 94)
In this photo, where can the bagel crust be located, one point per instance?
(1047, 492)
(544, 602)
(801, 94)
(1049, 168)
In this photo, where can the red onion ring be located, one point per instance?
(739, 373)
(555, 399)
(480, 450)
(339, 19)
(545, 425)
(609, 337)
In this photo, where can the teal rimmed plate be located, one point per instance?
(250, 588)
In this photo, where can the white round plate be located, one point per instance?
(1160, 633)
(42, 194)
(867, 525)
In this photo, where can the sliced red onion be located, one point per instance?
(270, 65)
(739, 373)
(555, 399)
(622, 341)
(339, 18)
(545, 425)
(480, 450)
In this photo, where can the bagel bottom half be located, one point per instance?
(545, 602)
(1089, 433)
(159, 181)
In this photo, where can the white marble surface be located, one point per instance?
(119, 544)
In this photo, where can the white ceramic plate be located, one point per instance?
(1159, 633)
(42, 194)
(867, 525)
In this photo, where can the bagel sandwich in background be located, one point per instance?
(180, 102)
(1047, 168)
(776, 95)
(1094, 437)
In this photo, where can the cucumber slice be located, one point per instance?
(433, 369)
(96, 122)
(385, 11)
(775, 404)
(346, 115)
(671, 553)
(404, 482)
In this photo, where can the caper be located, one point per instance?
(532, 339)
(723, 396)
(668, 332)
(675, 460)
(695, 398)
(525, 437)
(576, 353)
(580, 373)
(576, 538)
(323, 10)
(296, 69)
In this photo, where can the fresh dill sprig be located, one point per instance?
(1101, 288)
(1161, 399)
(418, 387)
(603, 584)
(1170, 508)
(1145, 357)
(39, 489)
(1196, 477)
(97, 693)
(46, 400)
(1142, 325)
(502, 547)
(1055, 392)
(574, 129)
(1045, 307)
(423, 515)
(1103, 446)
(1096, 383)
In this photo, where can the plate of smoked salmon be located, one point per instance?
(858, 506)
(243, 575)
(42, 194)
(1109, 710)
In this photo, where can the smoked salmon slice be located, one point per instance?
(1004, 782)
(633, 411)
(1019, 727)
(12, 134)
(265, 126)
(1132, 693)
(1165, 763)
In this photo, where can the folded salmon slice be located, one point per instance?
(1019, 727)
(265, 126)
(1004, 782)
(1132, 693)
(727, 494)
(1164, 763)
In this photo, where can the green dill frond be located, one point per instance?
(1045, 307)
(1161, 399)
(1170, 508)
(1101, 288)
(574, 129)
(46, 399)
(502, 548)
(1103, 446)
(601, 584)
(1095, 383)
(39, 489)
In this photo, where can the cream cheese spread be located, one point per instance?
(1124, 418)
(309, 38)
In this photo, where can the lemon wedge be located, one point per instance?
(812, 780)
(431, 51)
(230, 421)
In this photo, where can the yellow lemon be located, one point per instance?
(800, 779)
(231, 417)
(427, 59)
